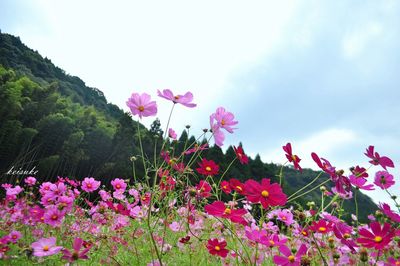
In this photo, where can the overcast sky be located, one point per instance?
(323, 75)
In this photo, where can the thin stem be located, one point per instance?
(319, 250)
(309, 184)
(355, 201)
(308, 191)
(141, 149)
(281, 173)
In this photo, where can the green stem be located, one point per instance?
(309, 184)
(308, 191)
(355, 201)
(319, 250)
(141, 149)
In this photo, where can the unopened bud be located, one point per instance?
(305, 261)
(322, 188)
(363, 255)
(205, 130)
(394, 197)
(133, 158)
(340, 172)
(187, 126)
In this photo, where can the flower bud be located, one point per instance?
(205, 130)
(363, 255)
(187, 126)
(322, 188)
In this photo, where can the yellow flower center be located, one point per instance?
(239, 188)
(271, 242)
(89, 185)
(45, 248)
(291, 258)
(223, 122)
(227, 211)
(397, 263)
(346, 235)
(141, 108)
(265, 193)
(378, 239)
(54, 217)
(208, 169)
(217, 248)
(294, 157)
(322, 229)
(118, 186)
(176, 97)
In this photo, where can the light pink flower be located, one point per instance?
(142, 105)
(118, 184)
(14, 236)
(89, 184)
(30, 181)
(224, 119)
(185, 99)
(45, 247)
(172, 134)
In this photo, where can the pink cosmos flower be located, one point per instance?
(360, 183)
(12, 192)
(273, 241)
(383, 179)
(378, 238)
(118, 184)
(344, 232)
(76, 253)
(265, 193)
(172, 134)
(185, 99)
(291, 157)
(89, 184)
(377, 159)
(324, 164)
(53, 216)
(321, 226)
(385, 208)
(284, 215)
(224, 119)
(218, 135)
(142, 105)
(30, 181)
(45, 247)
(14, 236)
(289, 258)
(218, 209)
(203, 189)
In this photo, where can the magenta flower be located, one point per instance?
(14, 236)
(118, 184)
(383, 179)
(359, 182)
(385, 208)
(45, 247)
(76, 253)
(378, 238)
(141, 105)
(53, 216)
(289, 258)
(185, 99)
(89, 184)
(292, 157)
(377, 159)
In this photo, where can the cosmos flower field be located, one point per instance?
(164, 218)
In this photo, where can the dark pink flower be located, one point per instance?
(142, 105)
(321, 226)
(242, 157)
(76, 253)
(377, 159)
(289, 258)
(359, 171)
(185, 99)
(385, 208)
(45, 247)
(225, 187)
(218, 248)
(344, 232)
(324, 164)
(291, 157)
(203, 189)
(265, 193)
(384, 180)
(14, 236)
(237, 186)
(218, 209)
(207, 167)
(378, 238)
